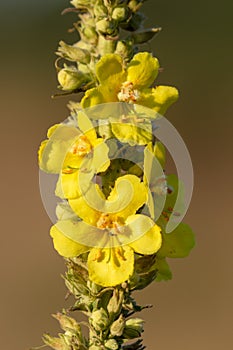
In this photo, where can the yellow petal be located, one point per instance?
(85, 125)
(67, 186)
(133, 134)
(109, 267)
(86, 207)
(142, 70)
(100, 161)
(159, 98)
(52, 129)
(108, 65)
(41, 151)
(65, 246)
(92, 97)
(129, 194)
(150, 242)
(83, 233)
(53, 151)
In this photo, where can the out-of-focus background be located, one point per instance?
(194, 310)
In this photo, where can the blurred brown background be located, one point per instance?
(194, 310)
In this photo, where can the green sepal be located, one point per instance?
(144, 35)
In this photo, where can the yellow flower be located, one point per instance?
(110, 230)
(70, 148)
(132, 85)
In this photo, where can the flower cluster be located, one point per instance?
(107, 213)
(114, 199)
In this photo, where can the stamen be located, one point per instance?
(81, 147)
(128, 93)
(107, 221)
(99, 255)
(120, 253)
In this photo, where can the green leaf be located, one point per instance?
(178, 243)
(173, 186)
(163, 271)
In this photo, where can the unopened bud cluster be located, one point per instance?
(109, 311)
(100, 26)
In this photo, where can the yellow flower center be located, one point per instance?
(128, 93)
(81, 147)
(107, 221)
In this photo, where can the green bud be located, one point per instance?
(124, 48)
(135, 5)
(99, 320)
(117, 327)
(55, 343)
(133, 328)
(90, 34)
(111, 344)
(106, 27)
(144, 35)
(100, 11)
(83, 45)
(70, 78)
(80, 3)
(87, 33)
(106, 46)
(68, 323)
(115, 303)
(73, 53)
(120, 13)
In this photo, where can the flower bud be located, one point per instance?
(73, 53)
(120, 13)
(111, 344)
(70, 78)
(68, 323)
(115, 303)
(90, 34)
(83, 45)
(133, 328)
(99, 320)
(78, 3)
(106, 27)
(117, 327)
(135, 5)
(55, 343)
(95, 347)
(100, 11)
(124, 48)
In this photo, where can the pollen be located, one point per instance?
(107, 221)
(81, 147)
(128, 93)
